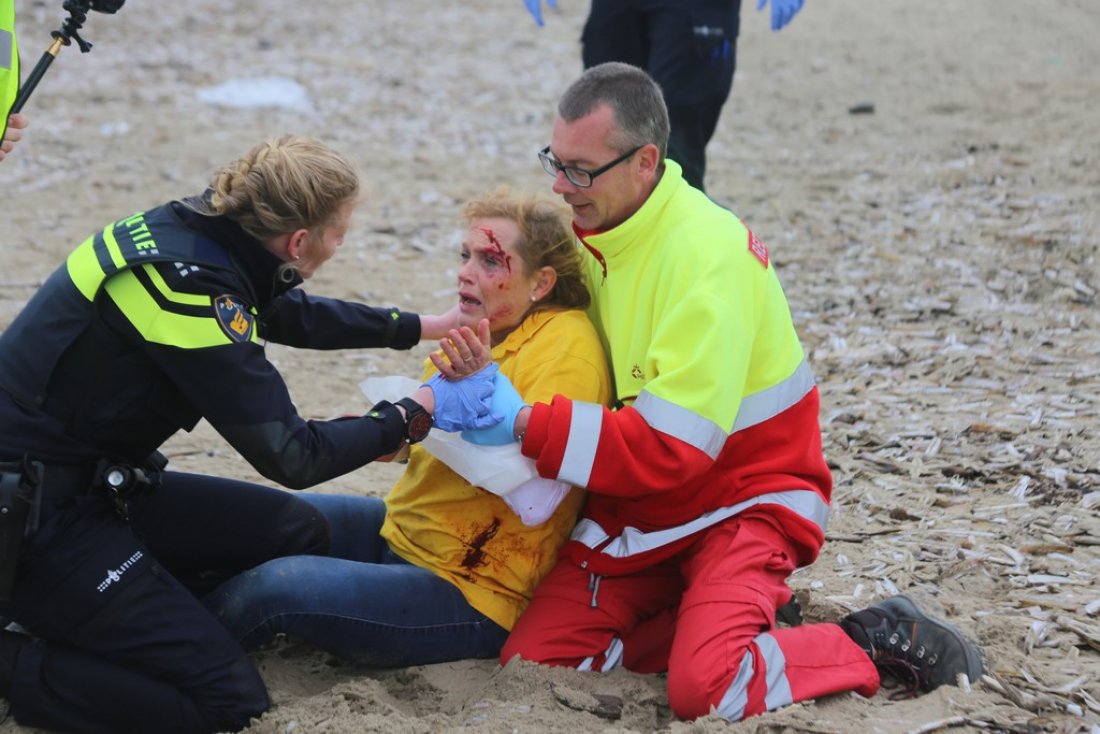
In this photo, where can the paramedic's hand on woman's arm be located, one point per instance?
(506, 405)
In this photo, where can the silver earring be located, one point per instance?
(533, 299)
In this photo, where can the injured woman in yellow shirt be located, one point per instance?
(441, 569)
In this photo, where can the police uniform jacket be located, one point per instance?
(160, 320)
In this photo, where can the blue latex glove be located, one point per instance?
(782, 11)
(466, 403)
(506, 405)
(534, 7)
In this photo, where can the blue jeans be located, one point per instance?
(361, 602)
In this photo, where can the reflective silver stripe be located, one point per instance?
(778, 687)
(805, 503)
(613, 657)
(589, 533)
(695, 430)
(770, 402)
(6, 43)
(681, 423)
(580, 449)
(732, 705)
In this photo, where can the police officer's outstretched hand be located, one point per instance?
(466, 403)
(506, 404)
(534, 7)
(782, 11)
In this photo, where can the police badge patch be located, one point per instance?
(234, 318)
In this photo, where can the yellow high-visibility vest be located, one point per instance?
(9, 62)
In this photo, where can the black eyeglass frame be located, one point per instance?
(553, 166)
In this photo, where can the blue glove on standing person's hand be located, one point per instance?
(464, 404)
(534, 7)
(782, 11)
(506, 405)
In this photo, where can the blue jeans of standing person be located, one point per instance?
(362, 602)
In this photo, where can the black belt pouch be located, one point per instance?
(20, 499)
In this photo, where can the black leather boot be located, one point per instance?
(913, 647)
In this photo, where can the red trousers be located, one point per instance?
(707, 616)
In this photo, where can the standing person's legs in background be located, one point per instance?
(689, 47)
(362, 602)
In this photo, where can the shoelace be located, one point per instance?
(897, 662)
(903, 673)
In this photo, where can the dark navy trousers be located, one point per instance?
(689, 47)
(122, 641)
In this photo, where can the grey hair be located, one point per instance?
(641, 116)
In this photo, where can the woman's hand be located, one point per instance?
(463, 390)
(461, 405)
(466, 353)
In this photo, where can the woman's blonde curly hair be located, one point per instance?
(545, 239)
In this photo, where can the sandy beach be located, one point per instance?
(926, 176)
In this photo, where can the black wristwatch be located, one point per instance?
(417, 420)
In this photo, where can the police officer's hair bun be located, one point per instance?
(284, 184)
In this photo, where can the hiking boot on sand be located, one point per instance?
(790, 614)
(912, 646)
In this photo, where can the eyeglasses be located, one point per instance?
(579, 176)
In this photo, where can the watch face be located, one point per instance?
(418, 426)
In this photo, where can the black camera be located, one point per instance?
(80, 8)
(106, 6)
